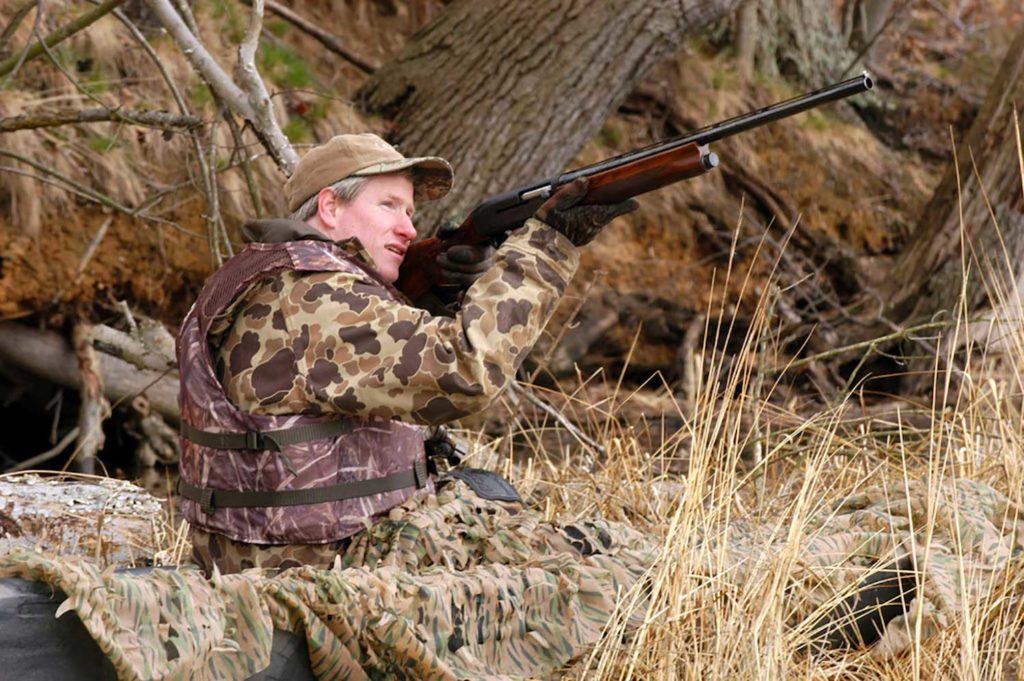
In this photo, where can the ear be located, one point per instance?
(328, 208)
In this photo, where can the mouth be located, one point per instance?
(398, 250)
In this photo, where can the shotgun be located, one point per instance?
(611, 181)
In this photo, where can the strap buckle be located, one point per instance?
(206, 500)
(255, 439)
(419, 473)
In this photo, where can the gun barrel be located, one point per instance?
(731, 126)
(790, 107)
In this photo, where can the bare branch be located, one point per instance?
(153, 350)
(200, 58)
(58, 36)
(869, 345)
(150, 119)
(93, 407)
(134, 30)
(265, 125)
(23, 53)
(244, 161)
(19, 16)
(252, 104)
(331, 42)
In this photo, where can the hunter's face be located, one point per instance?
(381, 218)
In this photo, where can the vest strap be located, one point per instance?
(268, 440)
(211, 499)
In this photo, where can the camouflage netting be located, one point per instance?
(450, 586)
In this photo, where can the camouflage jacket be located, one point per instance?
(339, 342)
(282, 479)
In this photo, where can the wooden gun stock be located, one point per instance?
(647, 174)
(611, 181)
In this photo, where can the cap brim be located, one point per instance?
(432, 176)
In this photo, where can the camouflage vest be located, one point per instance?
(292, 479)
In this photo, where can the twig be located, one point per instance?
(24, 52)
(871, 41)
(58, 36)
(868, 344)
(331, 42)
(207, 175)
(516, 389)
(134, 30)
(243, 156)
(95, 196)
(93, 407)
(86, 257)
(71, 79)
(12, 26)
(129, 318)
(152, 119)
(70, 437)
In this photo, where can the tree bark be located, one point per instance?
(956, 229)
(799, 39)
(510, 91)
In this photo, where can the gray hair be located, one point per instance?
(346, 190)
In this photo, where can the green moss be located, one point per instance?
(298, 130)
(232, 23)
(279, 64)
(718, 79)
(100, 143)
(277, 26)
(610, 136)
(815, 120)
(200, 96)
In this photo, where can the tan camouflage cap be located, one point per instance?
(364, 154)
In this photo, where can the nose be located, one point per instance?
(405, 228)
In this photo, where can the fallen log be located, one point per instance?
(49, 356)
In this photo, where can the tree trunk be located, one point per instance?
(956, 228)
(799, 39)
(748, 36)
(510, 91)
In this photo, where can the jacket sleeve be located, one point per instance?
(337, 342)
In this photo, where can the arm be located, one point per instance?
(332, 342)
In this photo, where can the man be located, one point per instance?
(307, 379)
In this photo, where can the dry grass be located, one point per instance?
(740, 577)
(728, 594)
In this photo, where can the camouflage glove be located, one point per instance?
(579, 223)
(462, 265)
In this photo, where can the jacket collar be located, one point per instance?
(280, 230)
